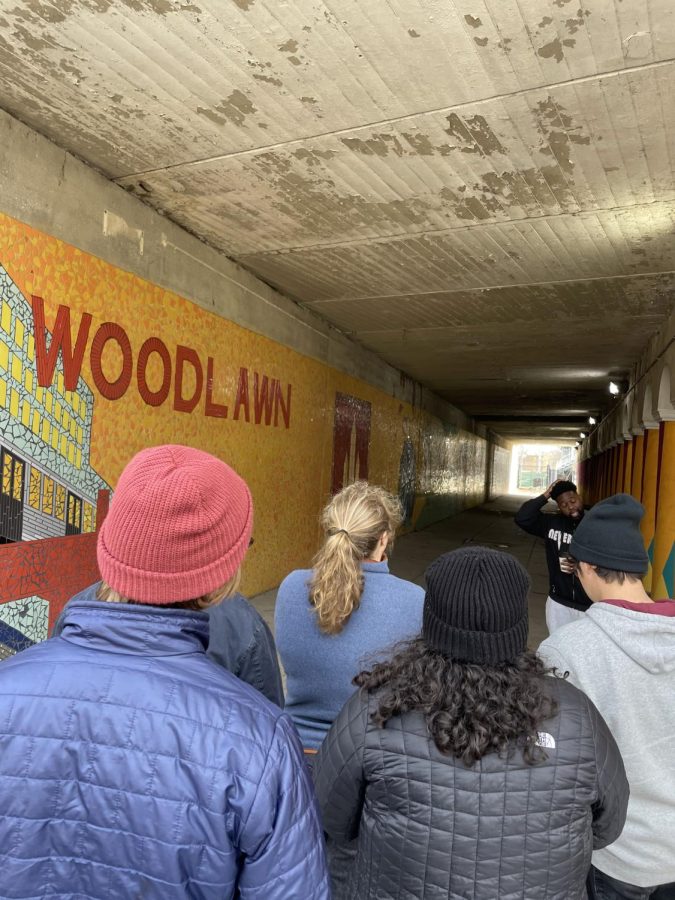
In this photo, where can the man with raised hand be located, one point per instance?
(566, 599)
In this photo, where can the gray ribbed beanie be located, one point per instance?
(475, 608)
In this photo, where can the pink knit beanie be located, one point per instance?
(179, 526)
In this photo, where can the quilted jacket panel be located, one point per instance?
(133, 766)
(426, 827)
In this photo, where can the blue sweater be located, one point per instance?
(320, 667)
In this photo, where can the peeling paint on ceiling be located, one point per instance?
(445, 182)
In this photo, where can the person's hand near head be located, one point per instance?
(547, 492)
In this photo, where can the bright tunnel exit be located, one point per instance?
(535, 465)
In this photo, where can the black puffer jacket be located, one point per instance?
(426, 827)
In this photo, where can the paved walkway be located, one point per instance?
(490, 525)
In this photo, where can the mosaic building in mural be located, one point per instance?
(47, 486)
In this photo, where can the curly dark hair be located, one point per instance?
(470, 710)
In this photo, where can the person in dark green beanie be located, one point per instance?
(622, 655)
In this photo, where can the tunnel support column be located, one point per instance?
(650, 475)
(664, 537)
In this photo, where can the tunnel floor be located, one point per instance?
(490, 525)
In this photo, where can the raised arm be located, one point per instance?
(530, 517)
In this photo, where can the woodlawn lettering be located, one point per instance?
(260, 399)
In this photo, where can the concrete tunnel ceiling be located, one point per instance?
(479, 191)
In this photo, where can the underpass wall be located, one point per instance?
(632, 450)
(118, 331)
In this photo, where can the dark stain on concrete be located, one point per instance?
(544, 22)
(31, 41)
(244, 4)
(290, 46)
(311, 101)
(482, 42)
(473, 21)
(574, 24)
(313, 157)
(561, 3)
(58, 10)
(413, 33)
(159, 7)
(559, 132)
(376, 145)
(234, 109)
(311, 199)
(474, 135)
(47, 12)
(72, 70)
(505, 45)
(269, 79)
(552, 50)
(294, 60)
(420, 143)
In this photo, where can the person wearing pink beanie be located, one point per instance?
(132, 764)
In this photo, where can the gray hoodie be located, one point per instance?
(625, 662)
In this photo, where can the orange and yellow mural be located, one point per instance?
(96, 363)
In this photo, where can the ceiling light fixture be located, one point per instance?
(582, 434)
(591, 420)
(614, 388)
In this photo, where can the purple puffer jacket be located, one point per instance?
(133, 766)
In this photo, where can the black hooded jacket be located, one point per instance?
(557, 531)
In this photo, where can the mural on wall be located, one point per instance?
(407, 475)
(47, 485)
(88, 376)
(501, 467)
(97, 363)
(351, 440)
(452, 475)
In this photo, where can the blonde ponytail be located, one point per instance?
(354, 521)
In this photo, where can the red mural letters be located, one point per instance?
(153, 398)
(271, 406)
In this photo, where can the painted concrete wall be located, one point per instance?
(119, 331)
(633, 450)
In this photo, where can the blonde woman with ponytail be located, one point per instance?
(343, 611)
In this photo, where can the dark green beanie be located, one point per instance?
(609, 536)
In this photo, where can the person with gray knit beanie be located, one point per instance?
(460, 768)
(622, 655)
